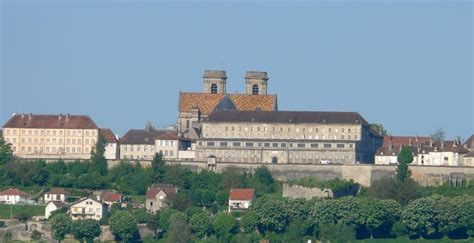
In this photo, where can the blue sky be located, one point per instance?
(406, 65)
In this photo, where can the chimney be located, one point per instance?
(13, 114)
(59, 117)
(29, 116)
(22, 115)
(67, 117)
(409, 141)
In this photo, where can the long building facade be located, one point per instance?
(287, 137)
(51, 136)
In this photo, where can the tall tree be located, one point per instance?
(157, 168)
(200, 225)
(6, 153)
(61, 225)
(404, 158)
(438, 135)
(123, 225)
(178, 231)
(379, 128)
(86, 229)
(99, 163)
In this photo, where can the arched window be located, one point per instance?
(274, 160)
(214, 89)
(255, 89)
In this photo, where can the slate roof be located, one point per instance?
(58, 204)
(470, 154)
(14, 192)
(51, 121)
(141, 136)
(469, 143)
(294, 117)
(241, 194)
(108, 135)
(207, 102)
(170, 136)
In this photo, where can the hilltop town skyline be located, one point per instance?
(127, 65)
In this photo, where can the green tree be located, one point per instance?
(224, 224)
(390, 188)
(232, 177)
(6, 153)
(379, 215)
(157, 168)
(86, 229)
(35, 235)
(466, 210)
(178, 231)
(263, 181)
(404, 158)
(271, 213)
(338, 233)
(249, 222)
(200, 225)
(60, 225)
(379, 128)
(99, 163)
(420, 217)
(7, 236)
(123, 225)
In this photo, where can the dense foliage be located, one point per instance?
(335, 185)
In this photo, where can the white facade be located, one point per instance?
(239, 204)
(385, 159)
(111, 151)
(88, 209)
(54, 197)
(15, 199)
(439, 158)
(52, 206)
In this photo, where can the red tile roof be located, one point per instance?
(14, 192)
(207, 102)
(111, 197)
(170, 136)
(166, 188)
(241, 194)
(51, 121)
(405, 140)
(57, 191)
(469, 143)
(108, 135)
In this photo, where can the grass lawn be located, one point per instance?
(32, 209)
(137, 198)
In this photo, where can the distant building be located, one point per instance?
(52, 206)
(14, 196)
(241, 199)
(109, 197)
(139, 144)
(55, 194)
(51, 136)
(194, 107)
(88, 208)
(392, 145)
(159, 196)
(469, 143)
(468, 159)
(112, 145)
(287, 137)
(171, 144)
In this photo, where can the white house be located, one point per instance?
(52, 206)
(112, 145)
(55, 194)
(241, 199)
(14, 196)
(442, 153)
(88, 208)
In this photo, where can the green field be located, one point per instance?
(16, 209)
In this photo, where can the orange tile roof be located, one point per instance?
(57, 191)
(241, 194)
(14, 192)
(111, 197)
(244, 102)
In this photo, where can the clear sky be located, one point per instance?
(406, 65)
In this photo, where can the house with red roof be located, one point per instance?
(109, 197)
(159, 196)
(111, 145)
(241, 199)
(14, 196)
(55, 194)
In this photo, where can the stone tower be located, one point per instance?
(214, 81)
(256, 83)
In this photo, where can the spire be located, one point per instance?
(149, 127)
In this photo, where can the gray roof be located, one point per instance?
(225, 104)
(294, 117)
(141, 136)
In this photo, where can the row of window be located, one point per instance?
(51, 150)
(277, 145)
(281, 129)
(42, 132)
(50, 141)
(284, 136)
(137, 148)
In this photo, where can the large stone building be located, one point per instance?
(139, 144)
(287, 137)
(51, 136)
(194, 107)
(112, 149)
